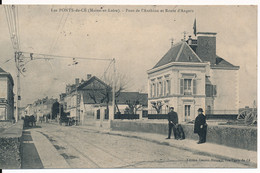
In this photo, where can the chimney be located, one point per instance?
(189, 41)
(88, 76)
(76, 81)
(206, 46)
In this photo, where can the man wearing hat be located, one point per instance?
(200, 126)
(173, 121)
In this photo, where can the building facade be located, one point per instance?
(190, 75)
(40, 108)
(6, 96)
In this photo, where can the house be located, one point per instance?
(190, 76)
(88, 99)
(41, 108)
(131, 102)
(87, 90)
(6, 95)
(125, 102)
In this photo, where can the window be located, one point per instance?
(161, 88)
(211, 90)
(168, 82)
(164, 88)
(151, 90)
(154, 90)
(157, 89)
(187, 87)
(187, 110)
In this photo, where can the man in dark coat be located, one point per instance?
(173, 121)
(200, 126)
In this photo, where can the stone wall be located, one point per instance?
(233, 136)
(10, 146)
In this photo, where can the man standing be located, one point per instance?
(200, 126)
(173, 121)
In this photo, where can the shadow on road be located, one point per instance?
(31, 127)
(30, 156)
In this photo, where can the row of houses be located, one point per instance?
(40, 108)
(85, 100)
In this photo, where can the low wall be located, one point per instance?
(10, 146)
(233, 136)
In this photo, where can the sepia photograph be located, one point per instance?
(128, 86)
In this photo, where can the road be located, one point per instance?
(85, 148)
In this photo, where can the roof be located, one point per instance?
(180, 52)
(220, 62)
(132, 96)
(97, 83)
(4, 73)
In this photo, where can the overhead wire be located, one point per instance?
(60, 31)
(56, 33)
(9, 24)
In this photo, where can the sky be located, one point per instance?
(136, 36)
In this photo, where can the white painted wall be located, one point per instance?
(3, 87)
(227, 89)
(175, 99)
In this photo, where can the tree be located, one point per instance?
(135, 104)
(101, 92)
(157, 106)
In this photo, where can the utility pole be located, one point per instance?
(114, 88)
(17, 56)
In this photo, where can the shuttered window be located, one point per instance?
(211, 90)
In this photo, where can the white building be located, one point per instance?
(190, 75)
(6, 96)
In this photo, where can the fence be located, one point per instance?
(157, 116)
(126, 116)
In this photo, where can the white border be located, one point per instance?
(144, 2)
(136, 2)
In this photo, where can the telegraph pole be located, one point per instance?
(16, 56)
(114, 88)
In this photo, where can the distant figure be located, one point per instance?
(200, 126)
(173, 121)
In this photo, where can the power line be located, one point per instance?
(11, 18)
(44, 56)
(9, 24)
(60, 30)
(56, 33)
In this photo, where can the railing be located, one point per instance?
(157, 116)
(126, 116)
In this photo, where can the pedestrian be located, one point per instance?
(200, 126)
(173, 121)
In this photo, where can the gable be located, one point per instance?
(180, 52)
(93, 84)
(170, 56)
(187, 55)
